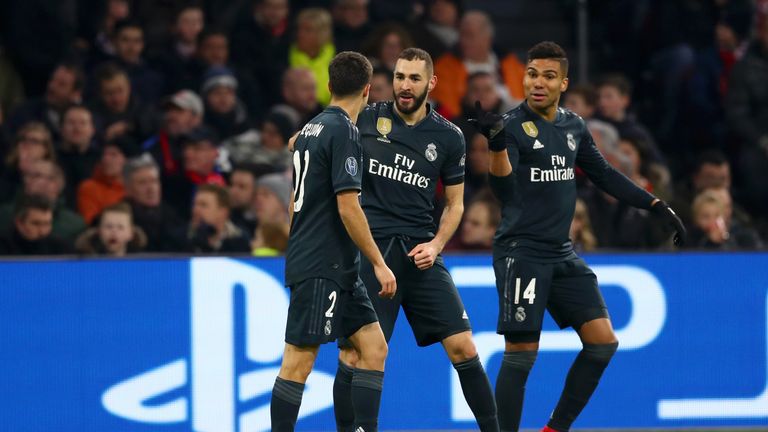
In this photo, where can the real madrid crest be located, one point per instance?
(431, 152)
(384, 126)
(520, 314)
(530, 129)
(571, 142)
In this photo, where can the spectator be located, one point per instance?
(476, 176)
(115, 235)
(143, 193)
(200, 153)
(439, 31)
(213, 48)
(271, 239)
(475, 55)
(381, 85)
(105, 187)
(614, 97)
(480, 222)
(103, 40)
(313, 48)
(242, 194)
(65, 87)
(482, 87)
(351, 24)
(582, 100)
(117, 112)
(385, 44)
(45, 178)
(183, 112)
(178, 59)
(33, 143)
(581, 234)
(260, 42)
(746, 108)
(77, 154)
(32, 232)
(147, 84)
(273, 195)
(211, 230)
(714, 228)
(299, 95)
(224, 112)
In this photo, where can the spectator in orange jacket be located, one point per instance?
(105, 187)
(475, 49)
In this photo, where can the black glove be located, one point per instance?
(490, 124)
(662, 209)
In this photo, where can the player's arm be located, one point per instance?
(500, 170)
(616, 184)
(357, 226)
(424, 254)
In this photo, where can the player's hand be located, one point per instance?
(387, 281)
(424, 255)
(487, 122)
(662, 209)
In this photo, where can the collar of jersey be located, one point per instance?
(537, 116)
(338, 109)
(402, 122)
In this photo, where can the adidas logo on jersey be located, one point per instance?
(537, 145)
(464, 315)
(360, 429)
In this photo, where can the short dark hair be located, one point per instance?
(221, 194)
(209, 32)
(349, 73)
(549, 50)
(411, 54)
(31, 202)
(75, 69)
(586, 91)
(381, 70)
(126, 23)
(710, 157)
(109, 71)
(617, 81)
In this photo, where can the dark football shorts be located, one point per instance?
(568, 289)
(321, 310)
(428, 297)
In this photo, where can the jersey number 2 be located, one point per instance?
(529, 293)
(332, 298)
(299, 175)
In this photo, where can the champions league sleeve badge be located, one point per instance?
(431, 152)
(351, 166)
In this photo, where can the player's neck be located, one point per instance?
(414, 117)
(351, 106)
(547, 113)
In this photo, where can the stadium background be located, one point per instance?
(167, 342)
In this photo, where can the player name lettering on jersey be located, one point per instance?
(559, 171)
(396, 173)
(311, 129)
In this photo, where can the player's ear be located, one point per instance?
(367, 90)
(564, 85)
(432, 83)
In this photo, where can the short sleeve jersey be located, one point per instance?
(326, 160)
(402, 165)
(538, 204)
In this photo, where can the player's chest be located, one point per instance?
(544, 144)
(412, 152)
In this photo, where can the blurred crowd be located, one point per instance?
(162, 126)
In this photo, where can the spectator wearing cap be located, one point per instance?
(313, 48)
(117, 112)
(199, 156)
(77, 152)
(273, 195)
(46, 178)
(143, 192)
(183, 112)
(32, 230)
(224, 112)
(105, 187)
(210, 229)
(115, 235)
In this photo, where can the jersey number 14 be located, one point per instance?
(529, 293)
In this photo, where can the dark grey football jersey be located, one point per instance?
(402, 165)
(539, 198)
(326, 160)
